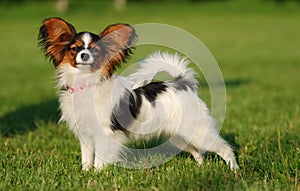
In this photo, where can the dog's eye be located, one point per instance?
(75, 48)
(96, 50)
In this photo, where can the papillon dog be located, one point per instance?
(105, 111)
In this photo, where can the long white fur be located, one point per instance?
(162, 62)
(181, 115)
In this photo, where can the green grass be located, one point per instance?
(256, 45)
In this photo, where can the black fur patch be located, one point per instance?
(130, 105)
(180, 83)
(127, 110)
(150, 91)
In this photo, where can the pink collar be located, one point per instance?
(75, 89)
(78, 89)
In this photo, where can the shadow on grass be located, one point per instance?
(24, 118)
(228, 83)
(236, 82)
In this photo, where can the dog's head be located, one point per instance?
(85, 50)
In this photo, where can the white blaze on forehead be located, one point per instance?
(86, 38)
(84, 56)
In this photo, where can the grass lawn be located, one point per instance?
(257, 47)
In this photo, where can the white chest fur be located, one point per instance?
(89, 108)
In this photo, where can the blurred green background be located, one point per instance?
(257, 46)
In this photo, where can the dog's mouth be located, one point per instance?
(85, 65)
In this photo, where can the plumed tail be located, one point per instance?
(157, 62)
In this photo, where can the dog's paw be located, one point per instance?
(86, 167)
(199, 159)
(233, 165)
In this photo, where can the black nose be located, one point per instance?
(85, 57)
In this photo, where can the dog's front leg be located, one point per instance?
(87, 154)
(101, 151)
(107, 150)
(99, 163)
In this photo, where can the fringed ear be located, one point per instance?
(54, 37)
(116, 42)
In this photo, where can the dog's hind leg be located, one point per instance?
(211, 141)
(225, 151)
(181, 144)
(197, 155)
